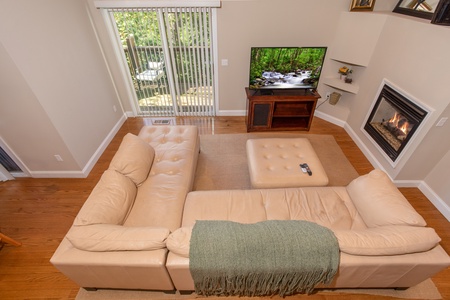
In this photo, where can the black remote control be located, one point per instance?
(306, 169)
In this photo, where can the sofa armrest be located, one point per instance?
(107, 237)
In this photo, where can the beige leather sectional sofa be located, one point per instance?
(133, 232)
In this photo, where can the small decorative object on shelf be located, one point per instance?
(349, 78)
(345, 74)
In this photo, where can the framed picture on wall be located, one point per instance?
(362, 5)
(417, 8)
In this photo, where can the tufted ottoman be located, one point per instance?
(275, 163)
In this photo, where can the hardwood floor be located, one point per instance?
(39, 212)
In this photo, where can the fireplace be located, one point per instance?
(393, 121)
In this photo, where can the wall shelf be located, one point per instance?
(341, 85)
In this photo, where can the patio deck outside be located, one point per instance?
(174, 80)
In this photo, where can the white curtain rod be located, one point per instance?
(155, 3)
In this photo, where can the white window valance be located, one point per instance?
(155, 3)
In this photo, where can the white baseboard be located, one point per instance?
(231, 113)
(220, 113)
(58, 174)
(367, 153)
(329, 118)
(90, 164)
(408, 183)
(435, 199)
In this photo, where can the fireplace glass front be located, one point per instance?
(393, 121)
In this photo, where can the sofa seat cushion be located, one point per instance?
(327, 206)
(380, 203)
(109, 202)
(387, 240)
(105, 237)
(133, 159)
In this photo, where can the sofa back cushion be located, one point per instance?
(380, 203)
(384, 240)
(134, 158)
(327, 206)
(109, 202)
(387, 240)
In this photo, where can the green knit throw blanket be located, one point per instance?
(261, 259)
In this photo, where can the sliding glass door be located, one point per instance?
(170, 58)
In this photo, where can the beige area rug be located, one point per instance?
(223, 161)
(223, 165)
(424, 290)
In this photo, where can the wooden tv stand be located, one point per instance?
(280, 109)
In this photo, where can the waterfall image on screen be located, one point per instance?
(286, 67)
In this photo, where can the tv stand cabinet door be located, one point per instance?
(259, 116)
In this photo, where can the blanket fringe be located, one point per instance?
(262, 284)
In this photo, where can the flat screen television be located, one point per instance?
(286, 67)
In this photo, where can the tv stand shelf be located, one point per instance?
(269, 110)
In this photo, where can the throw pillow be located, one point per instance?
(178, 241)
(134, 158)
(109, 202)
(380, 203)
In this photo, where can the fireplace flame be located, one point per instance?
(404, 128)
(399, 122)
(394, 120)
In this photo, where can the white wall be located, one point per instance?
(411, 54)
(56, 94)
(436, 184)
(243, 24)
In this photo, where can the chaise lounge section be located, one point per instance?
(118, 238)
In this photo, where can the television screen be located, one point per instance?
(286, 67)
